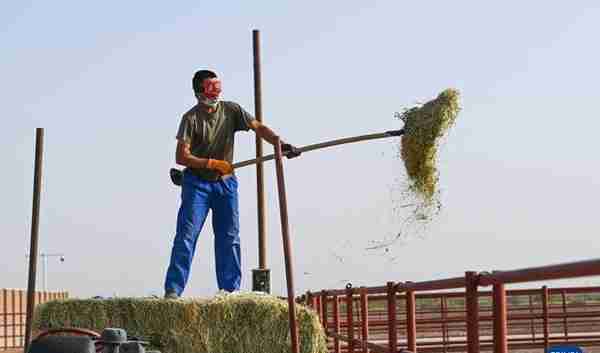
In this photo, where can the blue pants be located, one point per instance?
(197, 197)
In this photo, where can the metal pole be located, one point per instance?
(35, 222)
(545, 297)
(45, 271)
(411, 321)
(392, 321)
(336, 324)
(472, 303)
(364, 311)
(500, 330)
(565, 321)
(444, 305)
(261, 276)
(324, 311)
(350, 320)
(287, 248)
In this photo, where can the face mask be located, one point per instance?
(211, 103)
(211, 90)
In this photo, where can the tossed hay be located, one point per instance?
(424, 126)
(227, 323)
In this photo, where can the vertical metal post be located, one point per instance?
(472, 303)
(14, 317)
(324, 316)
(22, 313)
(261, 277)
(287, 247)
(324, 309)
(318, 307)
(313, 301)
(532, 324)
(336, 324)
(444, 305)
(392, 320)
(500, 329)
(565, 320)
(45, 271)
(545, 296)
(5, 316)
(364, 313)
(350, 320)
(35, 222)
(260, 181)
(411, 321)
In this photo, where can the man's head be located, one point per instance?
(207, 87)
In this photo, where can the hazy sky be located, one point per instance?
(109, 81)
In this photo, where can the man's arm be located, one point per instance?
(265, 133)
(184, 157)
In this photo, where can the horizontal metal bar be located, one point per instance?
(372, 346)
(441, 284)
(543, 273)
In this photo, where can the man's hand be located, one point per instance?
(223, 167)
(290, 151)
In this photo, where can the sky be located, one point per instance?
(109, 81)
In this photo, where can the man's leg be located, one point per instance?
(192, 214)
(226, 225)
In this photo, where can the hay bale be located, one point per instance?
(227, 323)
(424, 126)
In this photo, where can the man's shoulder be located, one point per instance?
(230, 105)
(191, 113)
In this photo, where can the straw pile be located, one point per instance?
(227, 323)
(424, 127)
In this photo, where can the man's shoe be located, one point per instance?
(171, 295)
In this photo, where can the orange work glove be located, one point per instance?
(223, 167)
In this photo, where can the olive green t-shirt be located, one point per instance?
(211, 135)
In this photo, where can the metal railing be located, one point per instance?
(13, 308)
(372, 319)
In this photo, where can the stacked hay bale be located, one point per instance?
(424, 127)
(227, 323)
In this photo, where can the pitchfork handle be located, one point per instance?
(321, 145)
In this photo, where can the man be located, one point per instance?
(205, 147)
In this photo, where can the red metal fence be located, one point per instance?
(13, 307)
(401, 316)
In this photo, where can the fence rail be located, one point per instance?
(13, 308)
(426, 317)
